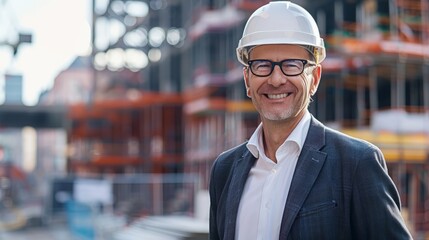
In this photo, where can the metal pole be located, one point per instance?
(339, 95)
(425, 68)
(373, 89)
(92, 91)
(400, 80)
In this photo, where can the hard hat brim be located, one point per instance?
(281, 37)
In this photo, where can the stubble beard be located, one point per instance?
(289, 112)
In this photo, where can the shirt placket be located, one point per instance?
(268, 194)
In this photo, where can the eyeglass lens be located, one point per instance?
(289, 67)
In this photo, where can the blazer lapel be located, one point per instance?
(240, 172)
(308, 167)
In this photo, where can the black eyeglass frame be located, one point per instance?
(273, 65)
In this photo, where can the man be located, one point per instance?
(296, 178)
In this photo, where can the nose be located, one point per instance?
(277, 78)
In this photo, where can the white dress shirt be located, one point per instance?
(262, 203)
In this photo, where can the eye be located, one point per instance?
(292, 64)
(262, 65)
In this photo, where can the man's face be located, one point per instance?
(279, 97)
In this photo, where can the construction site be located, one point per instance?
(177, 110)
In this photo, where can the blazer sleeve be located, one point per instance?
(213, 228)
(219, 178)
(375, 212)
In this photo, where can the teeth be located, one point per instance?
(277, 96)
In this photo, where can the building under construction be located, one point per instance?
(188, 104)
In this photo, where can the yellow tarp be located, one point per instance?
(396, 147)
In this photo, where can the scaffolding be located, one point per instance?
(193, 105)
(122, 136)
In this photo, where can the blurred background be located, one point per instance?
(113, 111)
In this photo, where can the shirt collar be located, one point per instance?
(298, 135)
(253, 144)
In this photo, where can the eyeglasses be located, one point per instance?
(289, 67)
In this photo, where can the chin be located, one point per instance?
(277, 116)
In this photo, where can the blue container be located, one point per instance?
(80, 220)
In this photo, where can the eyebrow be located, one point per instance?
(309, 54)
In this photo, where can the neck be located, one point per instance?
(275, 134)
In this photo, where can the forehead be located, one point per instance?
(279, 52)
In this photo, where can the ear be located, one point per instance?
(246, 81)
(317, 74)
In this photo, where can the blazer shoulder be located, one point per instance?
(324, 137)
(228, 156)
(360, 154)
(346, 140)
(224, 163)
(331, 141)
(222, 168)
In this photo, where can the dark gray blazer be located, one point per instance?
(340, 190)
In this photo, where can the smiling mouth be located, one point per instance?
(277, 96)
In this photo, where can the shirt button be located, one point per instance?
(273, 170)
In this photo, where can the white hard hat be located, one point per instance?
(281, 22)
